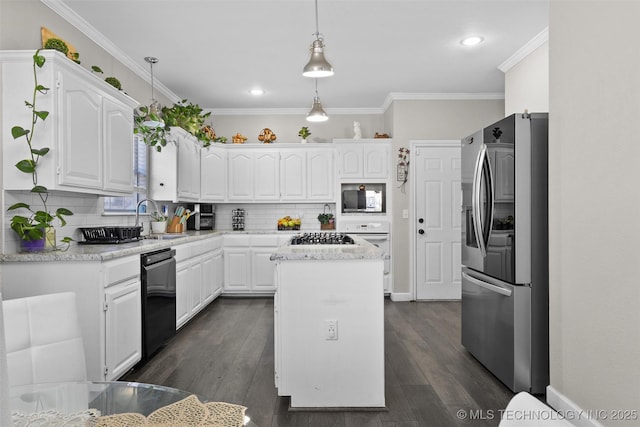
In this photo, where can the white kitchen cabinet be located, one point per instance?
(292, 175)
(240, 176)
(174, 172)
(253, 175)
(110, 308)
(320, 175)
(89, 129)
(364, 158)
(213, 174)
(183, 293)
(123, 328)
(198, 277)
(266, 175)
(248, 268)
(237, 269)
(188, 167)
(307, 174)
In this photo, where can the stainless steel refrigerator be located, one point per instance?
(505, 291)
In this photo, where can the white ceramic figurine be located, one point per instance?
(357, 133)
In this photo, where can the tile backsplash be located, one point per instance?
(87, 212)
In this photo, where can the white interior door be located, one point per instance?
(436, 219)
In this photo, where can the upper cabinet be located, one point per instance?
(363, 158)
(89, 129)
(174, 172)
(213, 174)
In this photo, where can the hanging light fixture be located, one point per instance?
(317, 66)
(152, 119)
(317, 113)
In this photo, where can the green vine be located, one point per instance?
(33, 227)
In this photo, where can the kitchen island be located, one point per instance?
(329, 325)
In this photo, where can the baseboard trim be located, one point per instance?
(399, 297)
(570, 410)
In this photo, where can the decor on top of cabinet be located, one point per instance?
(52, 41)
(381, 135)
(267, 136)
(39, 223)
(304, 134)
(357, 133)
(288, 223)
(238, 138)
(403, 167)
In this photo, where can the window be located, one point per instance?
(127, 204)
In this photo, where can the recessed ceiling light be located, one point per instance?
(256, 92)
(471, 40)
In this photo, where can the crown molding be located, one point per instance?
(525, 50)
(289, 111)
(97, 37)
(400, 96)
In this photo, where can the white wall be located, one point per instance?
(526, 84)
(438, 119)
(594, 204)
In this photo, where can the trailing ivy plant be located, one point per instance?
(33, 226)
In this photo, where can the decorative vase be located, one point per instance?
(32, 245)
(303, 141)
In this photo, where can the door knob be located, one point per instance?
(421, 220)
(421, 231)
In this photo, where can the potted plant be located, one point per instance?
(33, 227)
(304, 134)
(326, 221)
(184, 114)
(158, 223)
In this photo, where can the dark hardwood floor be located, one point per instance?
(226, 354)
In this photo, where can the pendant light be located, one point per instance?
(317, 113)
(152, 119)
(317, 66)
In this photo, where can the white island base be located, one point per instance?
(313, 369)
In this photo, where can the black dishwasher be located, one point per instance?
(158, 272)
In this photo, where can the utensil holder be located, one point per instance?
(175, 226)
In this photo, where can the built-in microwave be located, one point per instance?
(370, 201)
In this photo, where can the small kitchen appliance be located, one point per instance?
(363, 199)
(237, 219)
(203, 217)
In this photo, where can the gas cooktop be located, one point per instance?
(322, 238)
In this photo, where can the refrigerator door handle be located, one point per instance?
(491, 194)
(493, 288)
(475, 202)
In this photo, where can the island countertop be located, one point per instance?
(360, 250)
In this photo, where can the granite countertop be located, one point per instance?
(358, 251)
(93, 252)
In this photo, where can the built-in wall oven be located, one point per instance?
(158, 274)
(376, 233)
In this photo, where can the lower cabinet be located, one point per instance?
(123, 328)
(109, 306)
(198, 277)
(248, 268)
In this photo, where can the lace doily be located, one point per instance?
(188, 412)
(54, 419)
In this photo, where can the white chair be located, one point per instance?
(524, 410)
(43, 339)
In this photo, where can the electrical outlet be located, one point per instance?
(405, 213)
(331, 329)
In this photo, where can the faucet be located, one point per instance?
(138, 207)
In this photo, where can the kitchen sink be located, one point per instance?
(167, 236)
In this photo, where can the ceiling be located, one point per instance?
(212, 52)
